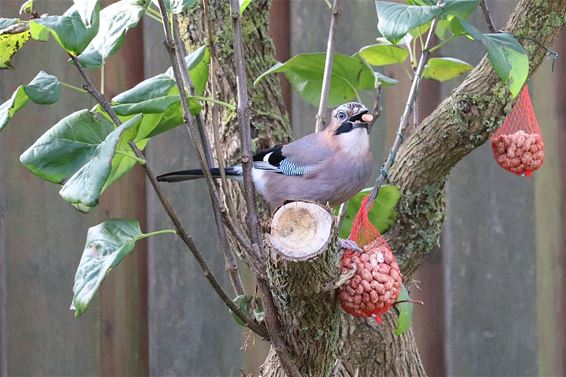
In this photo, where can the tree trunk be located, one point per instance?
(460, 124)
(302, 268)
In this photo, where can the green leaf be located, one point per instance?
(506, 55)
(87, 9)
(250, 306)
(176, 6)
(443, 69)
(460, 8)
(243, 5)
(68, 30)
(405, 312)
(13, 36)
(83, 189)
(27, 7)
(159, 96)
(44, 89)
(384, 53)
(350, 74)
(107, 244)
(79, 151)
(396, 20)
(382, 214)
(115, 20)
(5, 22)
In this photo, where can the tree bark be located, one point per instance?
(460, 124)
(299, 277)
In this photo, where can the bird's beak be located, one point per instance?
(362, 120)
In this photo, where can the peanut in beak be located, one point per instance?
(367, 118)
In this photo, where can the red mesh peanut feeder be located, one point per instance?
(376, 284)
(517, 145)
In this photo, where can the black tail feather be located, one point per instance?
(187, 175)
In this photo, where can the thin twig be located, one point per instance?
(215, 113)
(181, 232)
(341, 215)
(271, 320)
(321, 115)
(487, 16)
(400, 136)
(230, 259)
(192, 127)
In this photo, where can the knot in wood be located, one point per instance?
(464, 106)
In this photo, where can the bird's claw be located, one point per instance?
(349, 244)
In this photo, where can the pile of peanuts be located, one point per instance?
(376, 284)
(520, 152)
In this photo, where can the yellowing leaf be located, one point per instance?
(9, 45)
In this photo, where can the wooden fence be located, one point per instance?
(493, 291)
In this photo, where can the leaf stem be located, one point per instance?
(156, 233)
(153, 17)
(130, 155)
(320, 116)
(441, 44)
(215, 101)
(75, 88)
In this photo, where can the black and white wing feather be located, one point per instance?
(274, 160)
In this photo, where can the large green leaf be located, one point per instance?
(159, 97)
(107, 244)
(460, 8)
(44, 89)
(87, 9)
(68, 30)
(396, 20)
(384, 53)
(350, 74)
(13, 36)
(115, 20)
(79, 152)
(443, 69)
(507, 56)
(382, 214)
(176, 6)
(405, 311)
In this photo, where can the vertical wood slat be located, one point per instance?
(190, 330)
(550, 190)
(489, 258)
(123, 310)
(38, 256)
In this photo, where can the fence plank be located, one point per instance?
(190, 329)
(489, 259)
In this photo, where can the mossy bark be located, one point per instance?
(460, 124)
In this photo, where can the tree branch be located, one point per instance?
(231, 265)
(192, 127)
(181, 232)
(271, 320)
(487, 16)
(321, 115)
(461, 123)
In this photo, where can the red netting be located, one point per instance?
(517, 145)
(376, 284)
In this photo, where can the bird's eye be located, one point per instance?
(341, 115)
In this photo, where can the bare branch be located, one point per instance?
(181, 232)
(231, 265)
(321, 115)
(404, 122)
(487, 15)
(271, 320)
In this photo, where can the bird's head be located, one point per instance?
(350, 125)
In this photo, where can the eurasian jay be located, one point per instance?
(327, 167)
